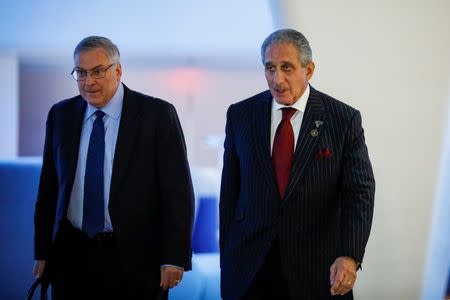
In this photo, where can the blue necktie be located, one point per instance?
(93, 207)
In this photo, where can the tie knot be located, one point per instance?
(99, 114)
(288, 112)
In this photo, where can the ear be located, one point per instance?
(310, 70)
(118, 71)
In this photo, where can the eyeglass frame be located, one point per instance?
(89, 72)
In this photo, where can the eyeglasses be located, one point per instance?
(96, 73)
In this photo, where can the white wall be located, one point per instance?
(436, 276)
(10, 107)
(201, 95)
(141, 27)
(201, 101)
(155, 38)
(391, 60)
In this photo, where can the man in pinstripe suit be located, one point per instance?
(297, 188)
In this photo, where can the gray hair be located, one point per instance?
(95, 42)
(289, 36)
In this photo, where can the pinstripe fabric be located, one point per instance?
(328, 206)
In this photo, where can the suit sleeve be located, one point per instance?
(45, 208)
(176, 192)
(357, 192)
(230, 184)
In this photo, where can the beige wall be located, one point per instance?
(391, 60)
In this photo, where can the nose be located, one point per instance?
(89, 80)
(277, 77)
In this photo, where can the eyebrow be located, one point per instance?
(97, 66)
(284, 62)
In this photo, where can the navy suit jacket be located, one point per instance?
(327, 209)
(151, 198)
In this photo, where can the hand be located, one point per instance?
(170, 277)
(38, 268)
(342, 275)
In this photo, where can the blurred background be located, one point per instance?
(389, 59)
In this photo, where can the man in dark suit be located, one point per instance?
(114, 212)
(297, 187)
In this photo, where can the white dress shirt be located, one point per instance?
(296, 120)
(113, 111)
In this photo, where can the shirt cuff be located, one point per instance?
(167, 265)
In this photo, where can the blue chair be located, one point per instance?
(19, 181)
(203, 282)
(205, 237)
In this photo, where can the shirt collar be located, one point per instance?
(299, 105)
(113, 108)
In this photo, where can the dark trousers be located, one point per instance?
(269, 281)
(85, 268)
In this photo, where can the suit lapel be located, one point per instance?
(128, 130)
(261, 134)
(307, 142)
(72, 134)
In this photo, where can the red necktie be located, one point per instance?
(283, 150)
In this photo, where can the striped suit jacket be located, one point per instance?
(326, 211)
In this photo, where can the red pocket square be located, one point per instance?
(324, 154)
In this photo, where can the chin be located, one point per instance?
(95, 102)
(284, 101)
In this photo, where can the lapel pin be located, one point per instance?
(318, 123)
(314, 132)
